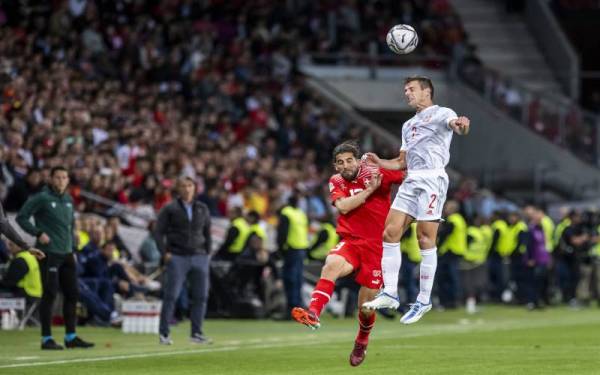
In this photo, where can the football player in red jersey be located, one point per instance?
(361, 194)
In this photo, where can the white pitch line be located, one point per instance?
(309, 340)
(117, 357)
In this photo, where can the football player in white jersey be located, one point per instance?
(425, 152)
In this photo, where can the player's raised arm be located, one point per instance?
(347, 204)
(398, 163)
(460, 125)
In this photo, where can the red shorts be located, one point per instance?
(365, 257)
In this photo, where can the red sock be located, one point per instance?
(321, 295)
(366, 323)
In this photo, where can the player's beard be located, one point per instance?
(349, 175)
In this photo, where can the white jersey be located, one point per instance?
(426, 138)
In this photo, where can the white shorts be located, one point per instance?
(422, 194)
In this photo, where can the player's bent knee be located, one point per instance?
(426, 242)
(334, 267)
(426, 237)
(392, 234)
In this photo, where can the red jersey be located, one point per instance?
(367, 221)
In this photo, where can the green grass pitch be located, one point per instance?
(498, 340)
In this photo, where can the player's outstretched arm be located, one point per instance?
(461, 125)
(398, 163)
(345, 205)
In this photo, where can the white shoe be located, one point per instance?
(417, 310)
(382, 301)
(198, 338)
(115, 319)
(152, 285)
(471, 306)
(165, 340)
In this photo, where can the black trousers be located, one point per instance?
(59, 273)
(448, 280)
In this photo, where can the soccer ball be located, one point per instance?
(402, 39)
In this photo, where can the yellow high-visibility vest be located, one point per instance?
(488, 236)
(514, 231)
(548, 228)
(410, 245)
(503, 245)
(298, 229)
(456, 242)
(243, 232)
(560, 228)
(84, 239)
(477, 248)
(259, 231)
(32, 281)
(322, 251)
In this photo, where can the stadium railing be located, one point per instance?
(558, 119)
(555, 45)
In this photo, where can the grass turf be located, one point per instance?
(499, 340)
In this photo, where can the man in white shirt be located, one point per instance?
(425, 152)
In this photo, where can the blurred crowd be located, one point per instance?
(129, 95)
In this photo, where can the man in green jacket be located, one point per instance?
(52, 209)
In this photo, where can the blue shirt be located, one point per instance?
(188, 209)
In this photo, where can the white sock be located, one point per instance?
(390, 267)
(427, 271)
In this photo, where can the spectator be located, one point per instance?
(292, 241)
(411, 257)
(183, 236)
(149, 251)
(255, 271)
(112, 234)
(23, 189)
(103, 266)
(536, 257)
(6, 178)
(572, 244)
(22, 278)
(236, 236)
(453, 245)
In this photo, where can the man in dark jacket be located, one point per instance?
(52, 209)
(183, 237)
(23, 189)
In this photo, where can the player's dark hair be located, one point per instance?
(58, 168)
(424, 82)
(348, 146)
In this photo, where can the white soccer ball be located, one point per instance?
(402, 39)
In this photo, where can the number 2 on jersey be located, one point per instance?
(432, 202)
